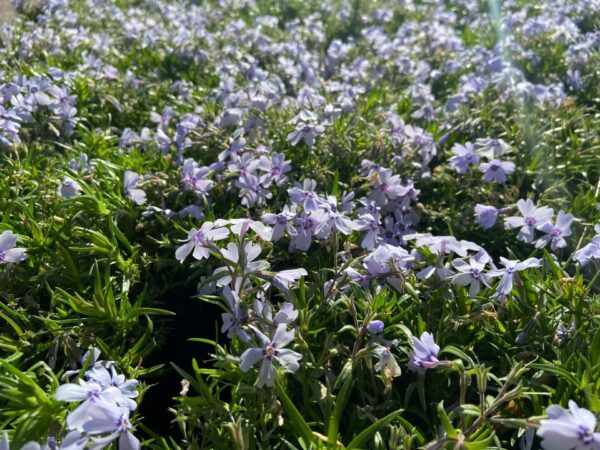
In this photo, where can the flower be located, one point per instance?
(235, 320)
(89, 393)
(306, 196)
(532, 218)
(556, 233)
(386, 186)
(305, 226)
(470, 274)
(511, 267)
(387, 363)
(69, 188)
(491, 148)
(284, 279)
(367, 223)
(107, 418)
(194, 177)
(571, 429)
(8, 252)
(286, 314)
(330, 219)
(272, 350)
(307, 132)
(245, 259)
(496, 170)
(281, 222)
(199, 241)
(486, 216)
(276, 167)
(90, 360)
(127, 387)
(464, 156)
(241, 226)
(130, 181)
(424, 353)
(375, 326)
(589, 251)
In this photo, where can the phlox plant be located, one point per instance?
(302, 225)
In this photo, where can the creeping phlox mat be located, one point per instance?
(333, 224)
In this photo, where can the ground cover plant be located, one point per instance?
(300, 224)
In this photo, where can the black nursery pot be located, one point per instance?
(192, 318)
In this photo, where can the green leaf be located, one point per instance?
(148, 311)
(296, 420)
(340, 404)
(448, 428)
(457, 352)
(367, 433)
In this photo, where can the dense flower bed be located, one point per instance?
(300, 224)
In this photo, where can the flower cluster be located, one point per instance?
(106, 400)
(23, 98)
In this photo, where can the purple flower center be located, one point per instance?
(530, 221)
(122, 423)
(308, 224)
(2, 256)
(494, 167)
(270, 351)
(200, 237)
(93, 395)
(475, 272)
(584, 435)
(556, 232)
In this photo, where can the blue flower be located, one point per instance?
(464, 156)
(424, 353)
(375, 326)
(110, 418)
(531, 218)
(130, 183)
(555, 233)
(8, 252)
(272, 350)
(497, 170)
(486, 216)
(571, 429)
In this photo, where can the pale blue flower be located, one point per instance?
(510, 271)
(464, 156)
(284, 279)
(272, 350)
(69, 188)
(496, 170)
(470, 274)
(571, 429)
(89, 394)
(110, 418)
(486, 216)
(130, 183)
(424, 353)
(556, 233)
(199, 241)
(589, 251)
(8, 252)
(531, 218)
(375, 326)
